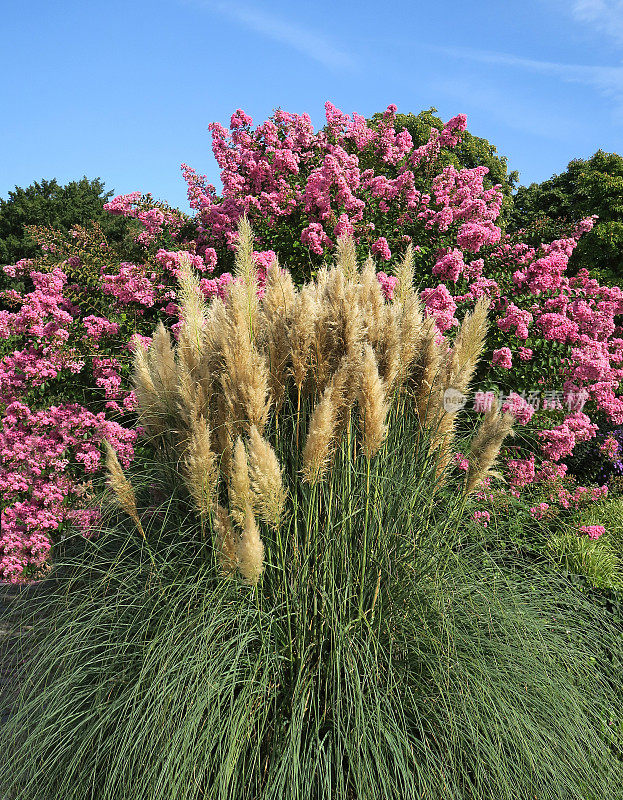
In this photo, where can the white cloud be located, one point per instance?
(514, 111)
(608, 81)
(310, 43)
(606, 16)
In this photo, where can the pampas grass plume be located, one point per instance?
(250, 550)
(121, 486)
(266, 479)
(373, 404)
(486, 446)
(317, 450)
(240, 496)
(225, 542)
(201, 467)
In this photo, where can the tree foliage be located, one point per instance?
(588, 186)
(47, 203)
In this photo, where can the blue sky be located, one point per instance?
(125, 90)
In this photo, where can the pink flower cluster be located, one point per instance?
(538, 512)
(483, 517)
(592, 531)
(610, 448)
(502, 357)
(440, 304)
(519, 407)
(45, 455)
(521, 472)
(131, 285)
(559, 442)
(153, 217)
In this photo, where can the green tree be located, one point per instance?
(46, 203)
(588, 186)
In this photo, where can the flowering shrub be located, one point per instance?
(66, 335)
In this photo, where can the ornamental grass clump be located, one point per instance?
(307, 615)
(334, 359)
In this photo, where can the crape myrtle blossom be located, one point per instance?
(559, 442)
(519, 407)
(610, 447)
(483, 517)
(502, 357)
(592, 531)
(43, 453)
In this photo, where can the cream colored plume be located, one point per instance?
(269, 495)
(468, 345)
(152, 410)
(121, 486)
(317, 450)
(249, 546)
(239, 484)
(405, 274)
(346, 258)
(373, 404)
(193, 311)
(278, 307)
(486, 446)
(201, 472)
(250, 550)
(225, 542)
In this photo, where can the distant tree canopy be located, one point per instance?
(471, 151)
(47, 203)
(586, 187)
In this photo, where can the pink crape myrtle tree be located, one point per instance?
(555, 353)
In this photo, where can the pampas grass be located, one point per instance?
(335, 348)
(316, 617)
(317, 450)
(441, 670)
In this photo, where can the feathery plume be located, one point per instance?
(373, 404)
(244, 377)
(352, 321)
(301, 333)
(389, 347)
(239, 484)
(266, 479)
(470, 339)
(225, 542)
(190, 396)
(121, 486)
(201, 472)
(405, 274)
(162, 366)
(193, 310)
(278, 308)
(426, 375)
(372, 302)
(250, 550)
(411, 324)
(486, 446)
(245, 267)
(151, 410)
(249, 547)
(345, 386)
(347, 257)
(317, 450)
